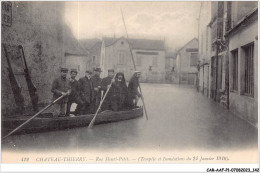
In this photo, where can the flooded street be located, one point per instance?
(179, 118)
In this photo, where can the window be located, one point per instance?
(138, 60)
(94, 58)
(121, 58)
(235, 70)
(155, 61)
(249, 70)
(193, 59)
(7, 13)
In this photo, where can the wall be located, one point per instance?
(110, 54)
(184, 56)
(245, 106)
(158, 72)
(39, 28)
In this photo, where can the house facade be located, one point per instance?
(231, 55)
(243, 61)
(148, 56)
(186, 62)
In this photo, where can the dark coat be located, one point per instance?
(133, 87)
(119, 94)
(105, 82)
(96, 95)
(60, 85)
(85, 89)
(74, 89)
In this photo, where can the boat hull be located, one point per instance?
(40, 124)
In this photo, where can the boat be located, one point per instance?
(45, 122)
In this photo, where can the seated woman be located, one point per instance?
(119, 93)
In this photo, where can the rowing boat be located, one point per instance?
(49, 123)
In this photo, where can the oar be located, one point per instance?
(102, 100)
(134, 66)
(33, 116)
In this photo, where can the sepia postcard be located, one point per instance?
(136, 83)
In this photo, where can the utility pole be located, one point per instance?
(197, 78)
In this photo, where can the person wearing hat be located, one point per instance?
(74, 95)
(133, 85)
(96, 92)
(61, 86)
(85, 93)
(104, 85)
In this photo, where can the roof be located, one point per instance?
(186, 45)
(96, 49)
(89, 43)
(138, 43)
(72, 45)
(147, 44)
(245, 20)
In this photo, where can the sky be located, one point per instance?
(174, 22)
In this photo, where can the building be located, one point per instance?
(171, 75)
(242, 40)
(75, 55)
(230, 54)
(94, 48)
(204, 48)
(148, 55)
(186, 62)
(47, 42)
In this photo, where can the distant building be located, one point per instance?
(171, 74)
(94, 48)
(149, 57)
(186, 62)
(75, 56)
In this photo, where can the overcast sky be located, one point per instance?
(174, 21)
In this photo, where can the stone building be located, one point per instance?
(47, 41)
(149, 57)
(187, 60)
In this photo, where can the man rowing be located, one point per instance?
(133, 85)
(61, 86)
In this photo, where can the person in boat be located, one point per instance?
(85, 93)
(104, 86)
(96, 92)
(134, 94)
(74, 95)
(61, 86)
(119, 93)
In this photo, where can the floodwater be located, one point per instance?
(179, 118)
